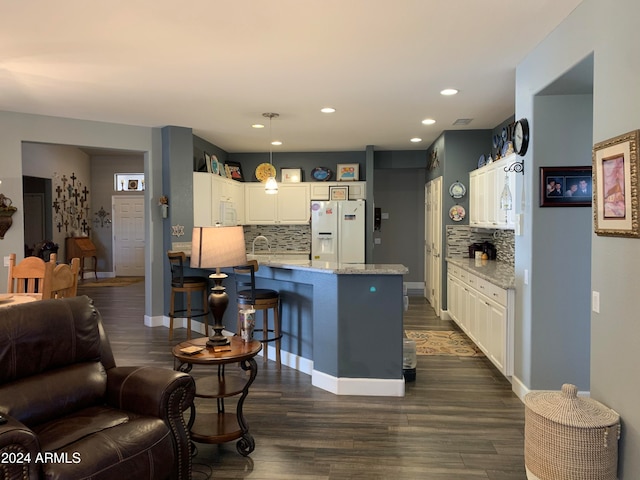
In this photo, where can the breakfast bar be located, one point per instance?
(342, 323)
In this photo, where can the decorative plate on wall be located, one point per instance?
(457, 213)
(321, 174)
(481, 161)
(264, 171)
(457, 190)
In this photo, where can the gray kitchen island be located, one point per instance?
(342, 323)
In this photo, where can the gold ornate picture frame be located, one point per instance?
(615, 186)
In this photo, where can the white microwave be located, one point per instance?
(228, 214)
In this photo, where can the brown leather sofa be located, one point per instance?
(72, 414)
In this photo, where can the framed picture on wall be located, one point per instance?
(565, 186)
(615, 182)
(339, 193)
(234, 171)
(348, 172)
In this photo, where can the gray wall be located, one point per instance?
(400, 193)
(612, 36)
(561, 253)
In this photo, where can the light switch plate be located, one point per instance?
(595, 301)
(385, 216)
(6, 261)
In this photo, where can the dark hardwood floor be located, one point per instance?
(458, 421)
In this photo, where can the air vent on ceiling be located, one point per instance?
(463, 121)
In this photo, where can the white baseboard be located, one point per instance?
(373, 387)
(521, 390)
(444, 315)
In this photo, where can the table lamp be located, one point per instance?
(218, 247)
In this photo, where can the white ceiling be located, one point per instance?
(217, 65)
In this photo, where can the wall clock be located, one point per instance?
(521, 136)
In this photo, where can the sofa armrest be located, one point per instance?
(152, 391)
(19, 448)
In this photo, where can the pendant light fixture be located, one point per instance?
(271, 186)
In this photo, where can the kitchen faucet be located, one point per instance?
(253, 244)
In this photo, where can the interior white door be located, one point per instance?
(428, 239)
(433, 244)
(436, 245)
(128, 235)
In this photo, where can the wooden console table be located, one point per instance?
(82, 247)
(220, 426)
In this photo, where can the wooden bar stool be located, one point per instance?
(186, 285)
(248, 296)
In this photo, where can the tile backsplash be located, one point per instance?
(282, 238)
(459, 237)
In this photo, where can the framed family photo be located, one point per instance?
(615, 180)
(566, 186)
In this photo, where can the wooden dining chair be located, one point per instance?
(61, 281)
(28, 276)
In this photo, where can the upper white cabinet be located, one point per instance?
(320, 190)
(289, 206)
(486, 186)
(209, 193)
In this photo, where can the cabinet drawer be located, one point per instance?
(472, 280)
(454, 271)
(495, 293)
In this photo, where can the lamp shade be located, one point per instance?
(217, 247)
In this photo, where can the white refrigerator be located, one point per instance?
(337, 231)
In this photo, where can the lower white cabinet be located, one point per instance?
(484, 312)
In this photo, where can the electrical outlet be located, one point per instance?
(595, 301)
(377, 241)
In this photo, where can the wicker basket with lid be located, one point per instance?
(567, 437)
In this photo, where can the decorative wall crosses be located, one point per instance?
(71, 205)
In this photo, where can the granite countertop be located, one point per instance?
(336, 268)
(501, 274)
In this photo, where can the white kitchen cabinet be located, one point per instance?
(486, 185)
(208, 191)
(320, 190)
(289, 206)
(201, 199)
(484, 312)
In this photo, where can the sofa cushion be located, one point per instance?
(39, 398)
(102, 442)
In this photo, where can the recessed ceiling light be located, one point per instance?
(416, 140)
(276, 142)
(448, 91)
(428, 121)
(257, 125)
(327, 110)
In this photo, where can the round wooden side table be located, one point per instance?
(220, 426)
